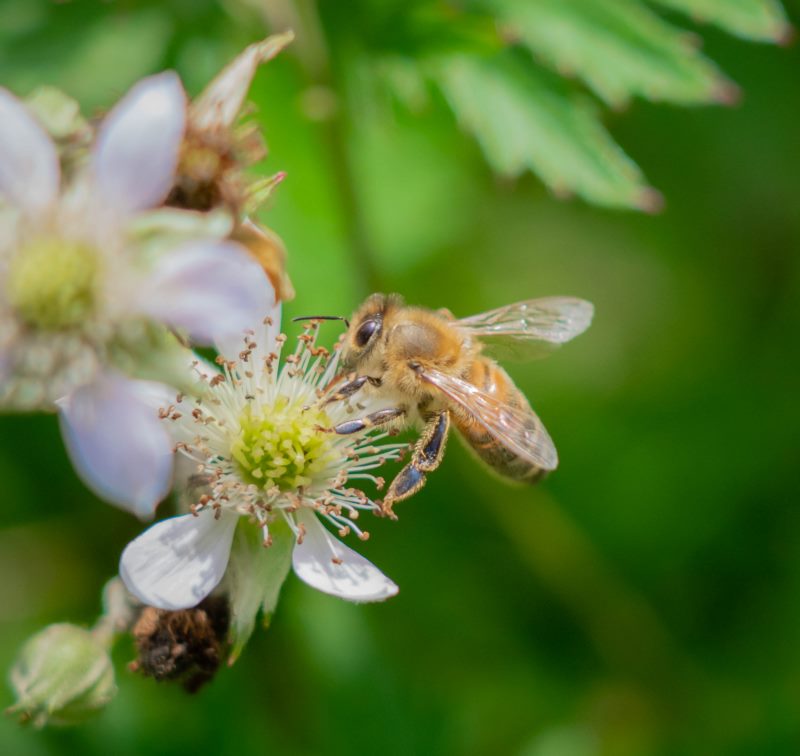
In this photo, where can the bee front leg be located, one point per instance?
(381, 417)
(352, 387)
(427, 456)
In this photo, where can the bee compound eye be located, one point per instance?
(365, 332)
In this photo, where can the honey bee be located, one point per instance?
(431, 369)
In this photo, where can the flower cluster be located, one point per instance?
(92, 278)
(121, 247)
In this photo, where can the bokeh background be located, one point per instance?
(645, 599)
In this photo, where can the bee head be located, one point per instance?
(366, 329)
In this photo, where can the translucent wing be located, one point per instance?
(524, 328)
(516, 428)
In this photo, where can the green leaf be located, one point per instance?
(524, 122)
(761, 20)
(254, 578)
(619, 48)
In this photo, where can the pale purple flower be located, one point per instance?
(78, 286)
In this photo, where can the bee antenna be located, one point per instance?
(322, 317)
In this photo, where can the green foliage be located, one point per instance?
(620, 49)
(644, 598)
(522, 123)
(761, 20)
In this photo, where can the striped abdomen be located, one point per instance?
(488, 376)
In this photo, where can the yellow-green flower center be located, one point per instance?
(283, 445)
(52, 283)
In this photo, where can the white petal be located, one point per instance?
(220, 102)
(29, 171)
(350, 577)
(117, 443)
(137, 147)
(177, 562)
(213, 290)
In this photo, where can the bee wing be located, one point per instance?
(516, 428)
(528, 328)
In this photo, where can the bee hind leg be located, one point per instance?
(427, 456)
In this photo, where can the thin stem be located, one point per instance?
(355, 230)
(316, 60)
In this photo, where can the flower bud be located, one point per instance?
(63, 675)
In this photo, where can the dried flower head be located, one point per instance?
(187, 645)
(217, 147)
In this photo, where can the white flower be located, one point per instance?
(76, 288)
(263, 446)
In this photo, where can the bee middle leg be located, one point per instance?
(427, 456)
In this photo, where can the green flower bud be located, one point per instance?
(59, 114)
(63, 675)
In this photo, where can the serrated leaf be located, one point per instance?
(619, 48)
(254, 578)
(523, 122)
(761, 20)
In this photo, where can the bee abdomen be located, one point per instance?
(491, 378)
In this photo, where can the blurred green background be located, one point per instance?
(646, 598)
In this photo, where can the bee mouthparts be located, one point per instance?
(322, 317)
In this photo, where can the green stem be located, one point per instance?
(354, 227)
(316, 59)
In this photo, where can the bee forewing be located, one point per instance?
(550, 320)
(519, 430)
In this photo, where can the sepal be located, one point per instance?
(254, 579)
